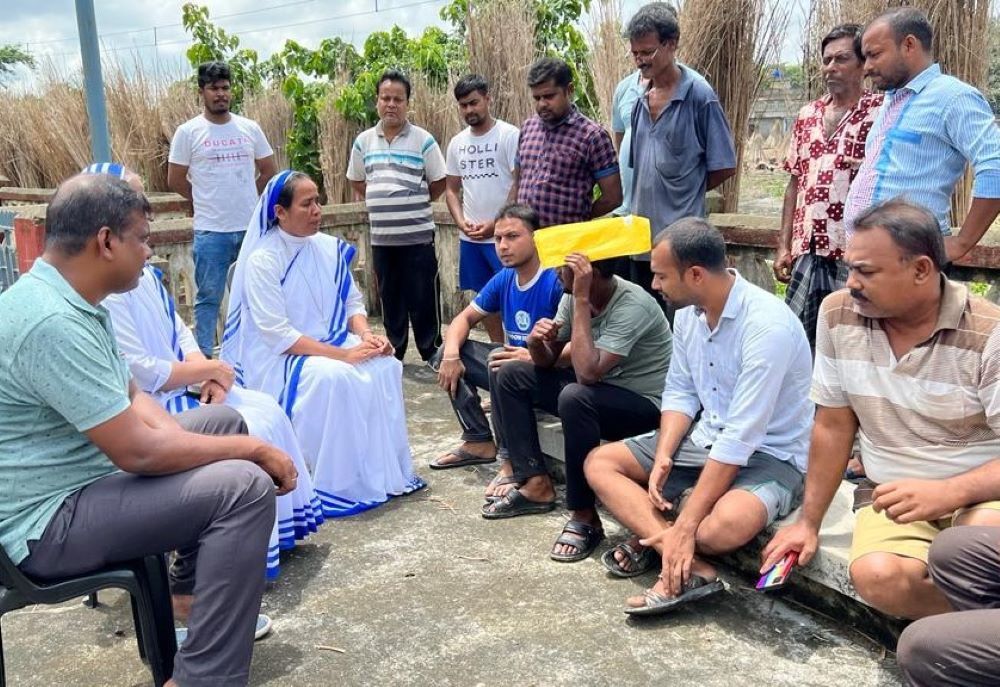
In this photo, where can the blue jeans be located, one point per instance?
(214, 252)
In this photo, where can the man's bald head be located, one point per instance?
(85, 203)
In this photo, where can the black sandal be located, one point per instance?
(641, 561)
(583, 537)
(513, 504)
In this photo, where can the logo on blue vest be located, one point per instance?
(523, 320)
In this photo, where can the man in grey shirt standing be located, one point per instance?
(682, 145)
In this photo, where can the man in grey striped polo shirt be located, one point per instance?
(397, 169)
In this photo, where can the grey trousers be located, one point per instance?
(961, 648)
(219, 515)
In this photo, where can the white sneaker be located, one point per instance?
(262, 629)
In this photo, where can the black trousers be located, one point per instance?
(409, 291)
(589, 413)
(961, 648)
(475, 357)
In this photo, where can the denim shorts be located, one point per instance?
(777, 483)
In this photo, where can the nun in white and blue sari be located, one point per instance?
(296, 329)
(157, 345)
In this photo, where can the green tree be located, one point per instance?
(10, 57)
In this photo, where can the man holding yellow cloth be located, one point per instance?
(620, 352)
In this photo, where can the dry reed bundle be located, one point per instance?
(179, 103)
(133, 97)
(501, 43)
(731, 42)
(433, 108)
(273, 112)
(336, 136)
(609, 56)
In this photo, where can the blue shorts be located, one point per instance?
(477, 263)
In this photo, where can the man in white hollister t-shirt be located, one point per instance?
(480, 165)
(219, 161)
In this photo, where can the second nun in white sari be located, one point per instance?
(296, 328)
(164, 359)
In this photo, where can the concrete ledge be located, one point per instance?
(823, 585)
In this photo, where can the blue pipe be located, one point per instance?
(93, 81)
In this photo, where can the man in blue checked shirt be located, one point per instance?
(930, 127)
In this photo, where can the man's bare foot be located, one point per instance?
(587, 517)
(480, 449)
(497, 486)
(182, 607)
(698, 567)
(623, 560)
(538, 488)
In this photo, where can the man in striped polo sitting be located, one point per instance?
(912, 359)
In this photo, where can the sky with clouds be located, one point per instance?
(153, 32)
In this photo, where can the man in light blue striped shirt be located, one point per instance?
(929, 128)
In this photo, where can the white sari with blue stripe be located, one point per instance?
(153, 337)
(349, 418)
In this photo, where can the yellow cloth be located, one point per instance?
(598, 239)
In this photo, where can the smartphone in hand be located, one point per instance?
(778, 575)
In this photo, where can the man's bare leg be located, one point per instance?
(901, 586)
(897, 585)
(620, 483)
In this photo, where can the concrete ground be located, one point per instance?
(423, 591)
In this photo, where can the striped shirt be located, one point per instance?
(922, 139)
(933, 413)
(396, 175)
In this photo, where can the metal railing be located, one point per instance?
(8, 257)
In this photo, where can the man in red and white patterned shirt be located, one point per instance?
(826, 149)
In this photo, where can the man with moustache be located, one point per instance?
(825, 151)
(562, 154)
(912, 359)
(397, 169)
(219, 161)
(480, 166)
(929, 129)
(682, 145)
(521, 294)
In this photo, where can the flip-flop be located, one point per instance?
(641, 561)
(583, 537)
(464, 458)
(513, 504)
(697, 587)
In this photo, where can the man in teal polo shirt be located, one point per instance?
(93, 471)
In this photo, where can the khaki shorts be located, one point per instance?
(876, 533)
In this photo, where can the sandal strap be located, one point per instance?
(579, 528)
(634, 557)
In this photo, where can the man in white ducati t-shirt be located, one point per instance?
(219, 161)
